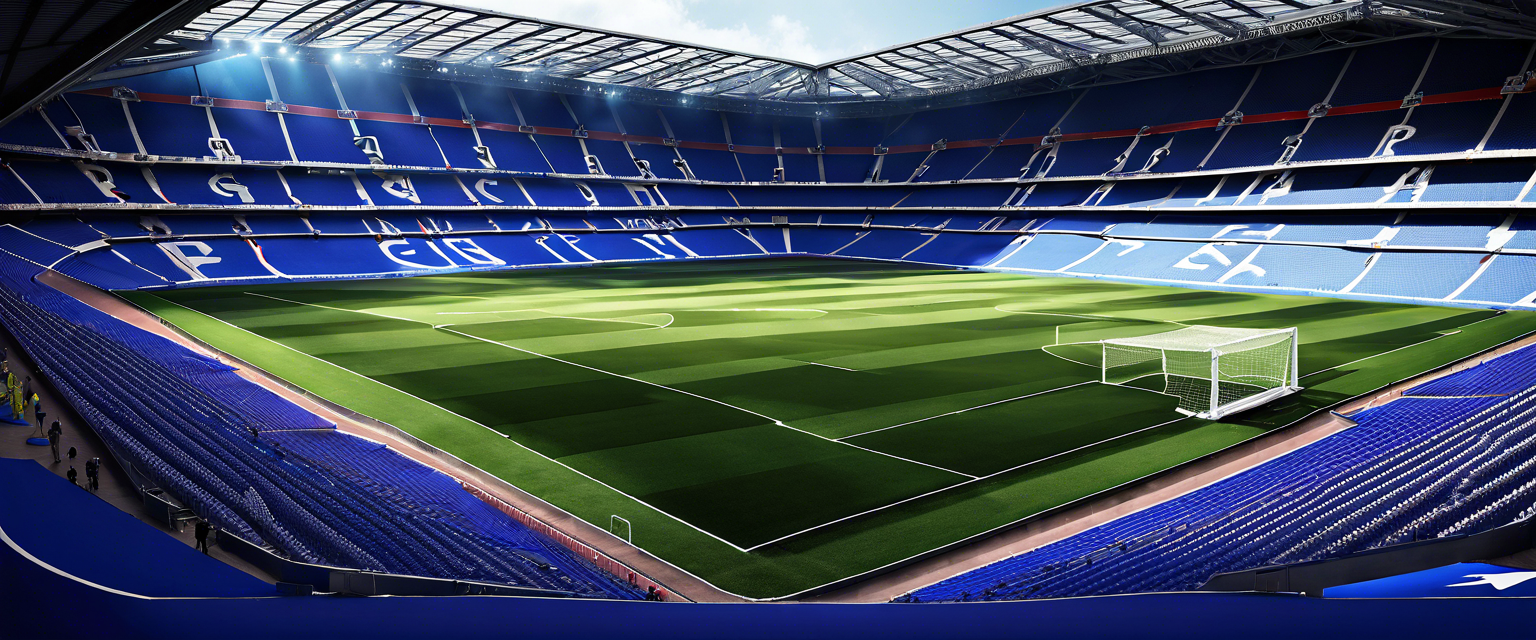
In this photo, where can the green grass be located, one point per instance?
(765, 405)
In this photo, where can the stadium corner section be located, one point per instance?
(623, 561)
(794, 566)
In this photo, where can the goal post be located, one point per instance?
(1213, 371)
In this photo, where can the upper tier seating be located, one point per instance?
(439, 123)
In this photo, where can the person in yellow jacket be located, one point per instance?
(12, 389)
(19, 395)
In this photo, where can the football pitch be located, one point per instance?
(775, 425)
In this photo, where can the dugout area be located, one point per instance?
(778, 425)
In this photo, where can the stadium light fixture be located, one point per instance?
(336, 57)
(282, 49)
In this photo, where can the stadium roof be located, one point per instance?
(48, 45)
(1041, 43)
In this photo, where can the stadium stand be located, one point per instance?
(188, 424)
(1394, 166)
(87, 537)
(1444, 460)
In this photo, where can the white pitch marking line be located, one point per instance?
(813, 310)
(456, 415)
(1340, 366)
(829, 366)
(1047, 350)
(979, 406)
(670, 317)
(961, 484)
(775, 421)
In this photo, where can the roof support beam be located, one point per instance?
(649, 80)
(303, 36)
(1150, 31)
(1220, 25)
(1044, 46)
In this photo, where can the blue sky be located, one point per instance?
(811, 31)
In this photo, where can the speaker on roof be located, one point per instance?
(202, 101)
(580, 132)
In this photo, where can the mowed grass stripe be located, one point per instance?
(1006, 435)
(1409, 339)
(565, 419)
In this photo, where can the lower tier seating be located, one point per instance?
(1465, 259)
(262, 468)
(1452, 457)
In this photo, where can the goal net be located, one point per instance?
(1214, 371)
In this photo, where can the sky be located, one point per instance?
(811, 31)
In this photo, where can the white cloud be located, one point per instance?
(780, 36)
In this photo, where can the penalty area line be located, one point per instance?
(974, 479)
(1377, 355)
(979, 406)
(775, 421)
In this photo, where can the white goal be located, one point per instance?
(1214, 371)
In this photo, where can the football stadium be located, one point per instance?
(1123, 318)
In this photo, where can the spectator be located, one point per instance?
(92, 473)
(27, 397)
(54, 433)
(10, 384)
(73, 475)
(202, 536)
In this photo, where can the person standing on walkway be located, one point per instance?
(73, 475)
(54, 435)
(9, 379)
(92, 472)
(202, 536)
(26, 398)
